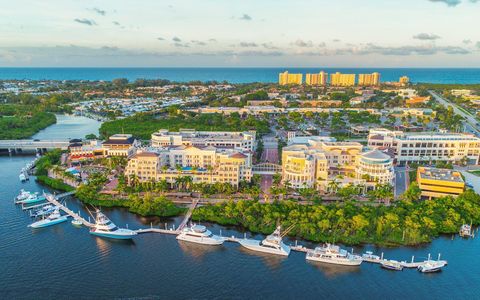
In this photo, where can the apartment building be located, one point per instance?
(286, 78)
(404, 80)
(369, 79)
(207, 164)
(316, 79)
(245, 141)
(315, 163)
(435, 183)
(339, 79)
(120, 145)
(427, 146)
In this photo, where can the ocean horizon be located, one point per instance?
(231, 75)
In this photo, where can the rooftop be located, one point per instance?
(439, 174)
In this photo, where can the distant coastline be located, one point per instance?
(232, 75)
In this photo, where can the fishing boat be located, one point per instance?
(272, 244)
(22, 195)
(333, 254)
(370, 257)
(33, 198)
(104, 227)
(45, 210)
(52, 219)
(391, 265)
(200, 235)
(466, 231)
(431, 266)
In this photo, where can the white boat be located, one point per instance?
(369, 256)
(77, 222)
(391, 265)
(200, 235)
(33, 198)
(431, 266)
(22, 195)
(272, 244)
(103, 227)
(465, 231)
(22, 177)
(333, 254)
(45, 210)
(52, 219)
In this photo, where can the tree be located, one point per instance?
(413, 192)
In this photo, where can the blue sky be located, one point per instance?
(241, 33)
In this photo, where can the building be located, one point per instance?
(286, 78)
(436, 183)
(90, 150)
(245, 141)
(316, 163)
(461, 92)
(417, 100)
(120, 145)
(316, 79)
(404, 80)
(339, 79)
(369, 79)
(202, 164)
(427, 146)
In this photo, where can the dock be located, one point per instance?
(54, 200)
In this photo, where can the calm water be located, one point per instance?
(234, 75)
(65, 262)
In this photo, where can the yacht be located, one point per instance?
(466, 231)
(45, 210)
(54, 218)
(23, 177)
(391, 265)
(333, 254)
(33, 198)
(200, 235)
(103, 227)
(431, 266)
(22, 195)
(370, 257)
(272, 244)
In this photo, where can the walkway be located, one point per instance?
(52, 199)
(188, 215)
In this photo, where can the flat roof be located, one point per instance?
(440, 174)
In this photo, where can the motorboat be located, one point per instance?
(33, 198)
(104, 227)
(465, 231)
(22, 195)
(370, 257)
(391, 265)
(333, 254)
(52, 219)
(23, 177)
(200, 235)
(431, 266)
(45, 210)
(272, 244)
(77, 222)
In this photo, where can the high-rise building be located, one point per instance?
(339, 79)
(287, 78)
(369, 79)
(316, 79)
(404, 80)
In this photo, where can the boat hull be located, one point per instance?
(335, 262)
(31, 201)
(254, 245)
(113, 235)
(203, 241)
(46, 223)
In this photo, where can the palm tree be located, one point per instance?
(333, 186)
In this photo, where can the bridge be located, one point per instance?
(266, 169)
(33, 145)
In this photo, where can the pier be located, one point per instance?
(53, 199)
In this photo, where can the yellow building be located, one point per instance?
(436, 183)
(316, 79)
(287, 78)
(369, 79)
(339, 79)
(404, 80)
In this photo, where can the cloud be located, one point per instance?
(426, 37)
(398, 51)
(247, 44)
(467, 41)
(176, 39)
(116, 23)
(160, 39)
(181, 45)
(336, 40)
(477, 45)
(450, 3)
(269, 46)
(199, 43)
(303, 44)
(246, 17)
(322, 45)
(212, 40)
(85, 22)
(99, 11)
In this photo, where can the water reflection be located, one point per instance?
(272, 261)
(105, 245)
(333, 271)
(198, 251)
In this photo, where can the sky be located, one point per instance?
(240, 33)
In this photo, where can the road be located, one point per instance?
(470, 121)
(270, 154)
(401, 179)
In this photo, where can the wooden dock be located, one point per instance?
(53, 199)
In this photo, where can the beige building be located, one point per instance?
(404, 80)
(316, 163)
(207, 164)
(369, 79)
(245, 141)
(286, 78)
(316, 79)
(339, 79)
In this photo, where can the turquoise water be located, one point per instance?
(234, 75)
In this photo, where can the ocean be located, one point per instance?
(235, 75)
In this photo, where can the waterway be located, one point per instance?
(64, 262)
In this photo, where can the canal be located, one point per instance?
(65, 262)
